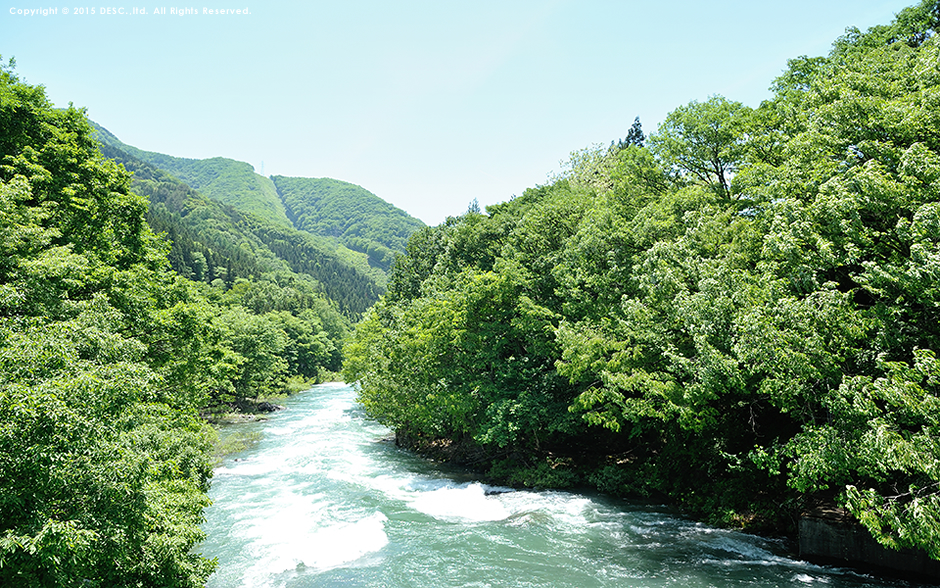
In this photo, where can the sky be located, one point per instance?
(428, 104)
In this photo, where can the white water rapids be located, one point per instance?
(322, 500)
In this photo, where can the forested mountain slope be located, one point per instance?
(211, 240)
(740, 314)
(344, 214)
(358, 218)
(228, 181)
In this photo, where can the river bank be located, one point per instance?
(802, 531)
(599, 472)
(325, 499)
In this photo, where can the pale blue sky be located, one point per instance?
(427, 104)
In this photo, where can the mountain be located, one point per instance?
(340, 211)
(210, 240)
(224, 221)
(226, 180)
(356, 217)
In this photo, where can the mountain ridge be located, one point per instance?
(325, 207)
(348, 212)
(210, 240)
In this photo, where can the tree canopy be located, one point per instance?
(739, 314)
(110, 360)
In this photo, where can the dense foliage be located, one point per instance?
(739, 312)
(356, 217)
(102, 468)
(107, 358)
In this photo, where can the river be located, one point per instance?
(321, 500)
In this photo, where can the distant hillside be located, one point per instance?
(226, 180)
(211, 240)
(358, 218)
(346, 214)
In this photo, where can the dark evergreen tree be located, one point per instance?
(634, 136)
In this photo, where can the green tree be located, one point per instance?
(705, 141)
(103, 462)
(741, 318)
(635, 136)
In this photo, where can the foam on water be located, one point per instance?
(467, 502)
(318, 546)
(301, 536)
(319, 502)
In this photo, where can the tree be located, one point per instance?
(635, 136)
(744, 316)
(104, 463)
(705, 140)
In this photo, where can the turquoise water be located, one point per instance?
(323, 500)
